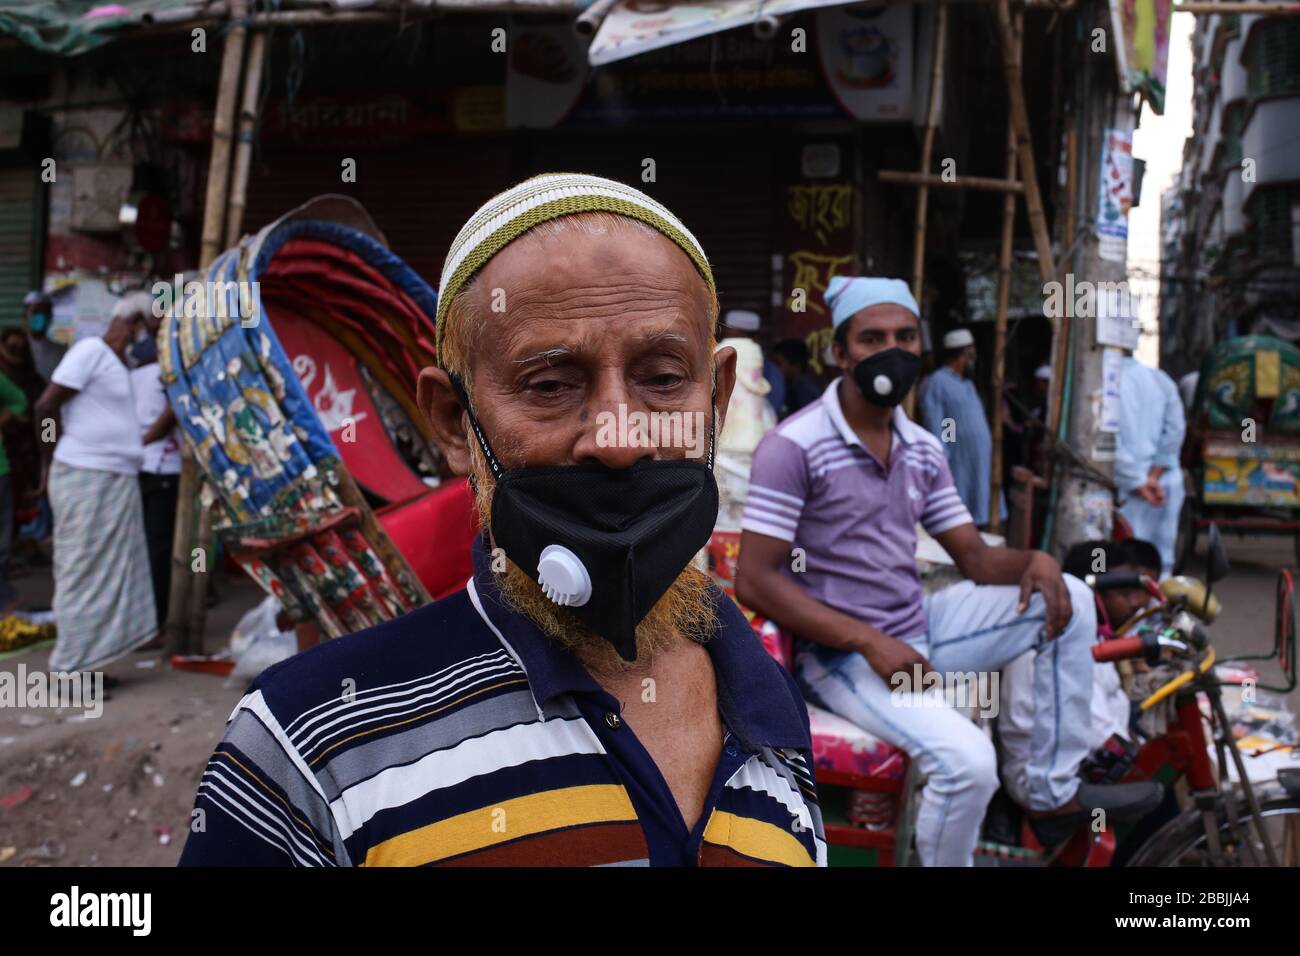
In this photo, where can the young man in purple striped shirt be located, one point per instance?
(828, 551)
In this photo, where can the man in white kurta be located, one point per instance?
(1147, 469)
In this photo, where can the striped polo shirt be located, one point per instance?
(814, 484)
(460, 734)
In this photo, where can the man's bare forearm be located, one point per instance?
(999, 566)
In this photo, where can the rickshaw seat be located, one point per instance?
(838, 745)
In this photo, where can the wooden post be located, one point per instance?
(223, 121)
(1061, 335)
(244, 147)
(197, 612)
(175, 640)
(1024, 142)
(1213, 7)
(922, 191)
(180, 619)
(1000, 324)
(958, 182)
(927, 148)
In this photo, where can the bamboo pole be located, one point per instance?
(905, 178)
(1024, 143)
(1004, 297)
(182, 600)
(1061, 334)
(922, 192)
(197, 611)
(927, 148)
(1211, 7)
(223, 122)
(247, 127)
(176, 628)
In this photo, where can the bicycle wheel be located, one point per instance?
(1181, 842)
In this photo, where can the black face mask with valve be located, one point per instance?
(606, 543)
(887, 376)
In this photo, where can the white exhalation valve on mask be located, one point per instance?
(882, 385)
(563, 577)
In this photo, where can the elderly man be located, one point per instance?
(827, 550)
(951, 410)
(103, 601)
(745, 323)
(590, 698)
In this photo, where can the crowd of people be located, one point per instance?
(1152, 422)
(90, 460)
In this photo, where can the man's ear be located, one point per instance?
(442, 410)
(724, 371)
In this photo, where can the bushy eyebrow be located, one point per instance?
(546, 355)
(663, 335)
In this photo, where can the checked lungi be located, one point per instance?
(103, 596)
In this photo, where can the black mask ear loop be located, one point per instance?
(459, 387)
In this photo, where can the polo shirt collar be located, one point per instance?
(902, 427)
(757, 702)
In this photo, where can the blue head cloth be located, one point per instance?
(848, 295)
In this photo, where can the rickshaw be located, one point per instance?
(1242, 450)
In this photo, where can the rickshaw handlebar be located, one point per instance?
(1120, 649)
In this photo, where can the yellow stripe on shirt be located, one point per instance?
(756, 839)
(505, 821)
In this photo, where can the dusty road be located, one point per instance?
(116, 789)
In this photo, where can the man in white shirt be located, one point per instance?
(1152, 425)
(103, 599)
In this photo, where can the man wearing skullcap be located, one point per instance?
(746, 323)
(951, 410)
(590, 697)
(842, 485)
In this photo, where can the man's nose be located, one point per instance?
(616, 430)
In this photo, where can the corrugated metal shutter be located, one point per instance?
(20, 239)
(719, 185)
(419, 197)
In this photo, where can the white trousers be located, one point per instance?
(972, 628)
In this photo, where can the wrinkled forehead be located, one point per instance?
(578, 285)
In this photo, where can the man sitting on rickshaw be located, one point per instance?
(828, 552)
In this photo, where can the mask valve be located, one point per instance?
(563, 577)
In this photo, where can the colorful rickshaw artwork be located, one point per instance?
(1243, 442)
(292, 367)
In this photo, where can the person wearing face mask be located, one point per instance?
(843, 484)
(46, 353)
(590, 697)
(103, 598)
(951, 410)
